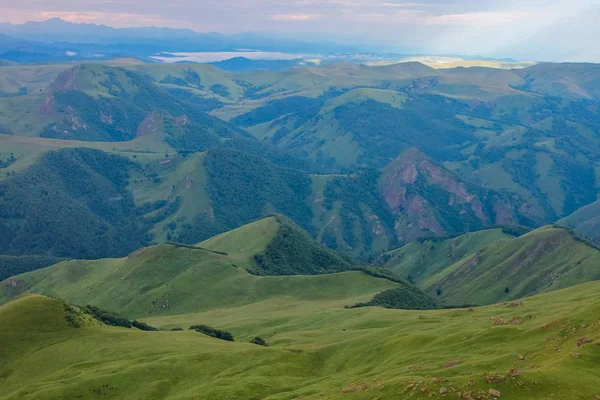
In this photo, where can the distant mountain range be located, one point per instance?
(364, 158)
(56, 40)
(153, 39)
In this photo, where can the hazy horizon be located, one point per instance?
(552, 30)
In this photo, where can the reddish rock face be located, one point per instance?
(48, 107)
(181, 120)
(411, 185)
(424, 217)
(149, 125)
(67, 80)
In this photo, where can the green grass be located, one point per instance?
(543, 260)
(585, 221)
(391, 97)
(209, 76)
(244, 242)
(32, 77)
(422, 260)
(28, 150)
(166, 279)
(170, 178)
(317, 350)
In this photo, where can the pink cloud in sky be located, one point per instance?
(117, 20)
(544, 29)
(289, 17)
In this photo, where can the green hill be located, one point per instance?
(316, 350)
(570, 80)
(321, 145)
(172, 278)
(188, 198)
(71, 203)
(411, 198)
(543, 260)
(417, 261)
(246, 241)
(585, 221)
(277, 246)
(101, 103)
(429, 200)
(506, 130)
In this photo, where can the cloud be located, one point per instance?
(481, 18)
(405, 5)
(117, 20)
(532, 29)
(114, 19)
(290, 17)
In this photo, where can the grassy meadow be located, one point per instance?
(316, 350)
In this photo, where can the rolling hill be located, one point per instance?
(418, 261)
(174, 278)
(326, 146)
(277, 246)
(316, 350)
(502, 129)
(489, 267)
(138, 195)
(168, 280)
(585, 221)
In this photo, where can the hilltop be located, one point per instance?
(102, 103)
(277, 246)
(175, 279)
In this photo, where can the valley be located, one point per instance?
(299, 118)
(255, 229)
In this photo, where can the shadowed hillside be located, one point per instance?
(543, 260)
(585, 221)
(419, 260)
(277, 246)
(504, 146)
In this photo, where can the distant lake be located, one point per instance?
(226, 55)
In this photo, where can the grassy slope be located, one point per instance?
(178, 177)
(318, 350)
(585, 221)
(209, 77)
(244, 242)
(421, 260)
(28, 150)
(391, 97)
(166, 279)
(543, 260)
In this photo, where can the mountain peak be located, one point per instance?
(55, 22)
(276, 245)
(412, 154)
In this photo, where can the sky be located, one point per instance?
(553, 30)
